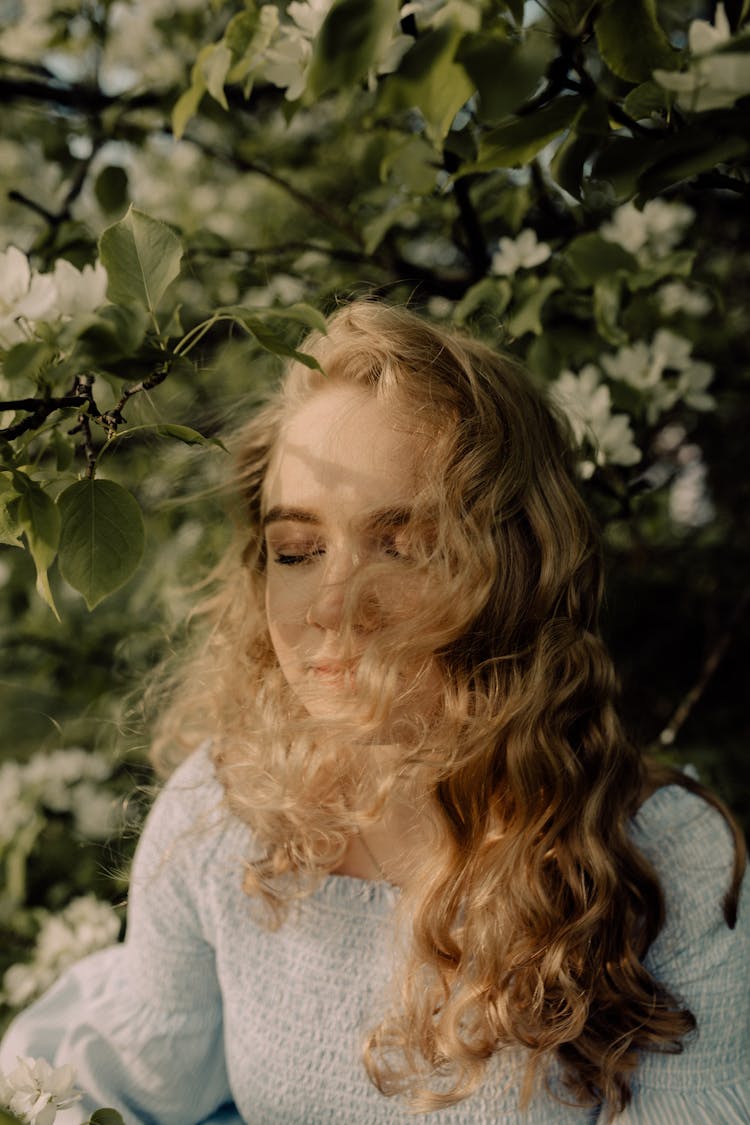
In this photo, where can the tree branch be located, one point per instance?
(325, 214)
(710, 664)
(40, 408)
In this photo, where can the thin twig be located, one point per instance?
(326, 214)
(158, 375)
(711, 663)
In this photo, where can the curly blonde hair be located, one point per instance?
(532, 910)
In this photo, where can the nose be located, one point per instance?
(326, 610)
(327, 607)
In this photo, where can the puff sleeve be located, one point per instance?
(141, 1022)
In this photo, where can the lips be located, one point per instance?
(337, 673)
(330, 667)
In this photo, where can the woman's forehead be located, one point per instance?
(344, 442)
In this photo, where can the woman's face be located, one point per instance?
(337, 495)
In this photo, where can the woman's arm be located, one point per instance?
(142, 1022)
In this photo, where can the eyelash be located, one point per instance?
(297, 560)
(388, 546)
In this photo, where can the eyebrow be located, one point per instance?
(381, 517)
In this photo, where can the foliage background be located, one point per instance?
(569, 180)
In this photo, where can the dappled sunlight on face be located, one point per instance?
(338, 498)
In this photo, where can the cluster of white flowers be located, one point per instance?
(675, 297)
(63, 781)
(716, 77)
(664, 372)
(652, 232)
(286, 59)
(30, 33)
(34, 1091)
(27, 296)
(522, 252)
(286, 45)
(587, 404)
(83, 926)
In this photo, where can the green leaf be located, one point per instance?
(490, 296)
(63, 449)
(592, 257)
(116, 332)
(142, 257)
(248, 34)
(37, 516)
(27, 360)
(570, 15)
(102, 537)
(301, 313)
(111, 188)
(411, 164)
(698, 155)
(590, 128)
(106, 1117)
(186, 106)
(351, 40)
(7, 1118)
(214, 61)
(516, 7)
(252, 320)
(504, 72)
(623, 161)
(646, 99)
(9, 527)
(607, 300)
(527, 316)
(184, 434)
(677, 264)
(631, 40)
(430, 80)
(518, 140)
(377, 228)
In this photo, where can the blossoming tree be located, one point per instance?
(187, 186)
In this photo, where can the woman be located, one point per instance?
(410, 862)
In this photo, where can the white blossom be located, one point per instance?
(655, 230)
(95, 811)
(285, 60)
(587, 404)
(704, 37)
(715, 78)
(52, 776)
(24, 296)
(522, 252)
(34, 1091)
(85, 925)
(664, 372)
(30, 33)
(676, 297)
(27, 296)
(79, 291)
(689, 500)
(16, 802)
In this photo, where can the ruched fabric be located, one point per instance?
(205, 1016)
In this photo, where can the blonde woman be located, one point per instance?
(410, 864)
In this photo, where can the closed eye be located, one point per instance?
(392, 545)
(287, 558)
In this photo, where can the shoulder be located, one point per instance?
(676, 823)
(189, 820)
(692, 850)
